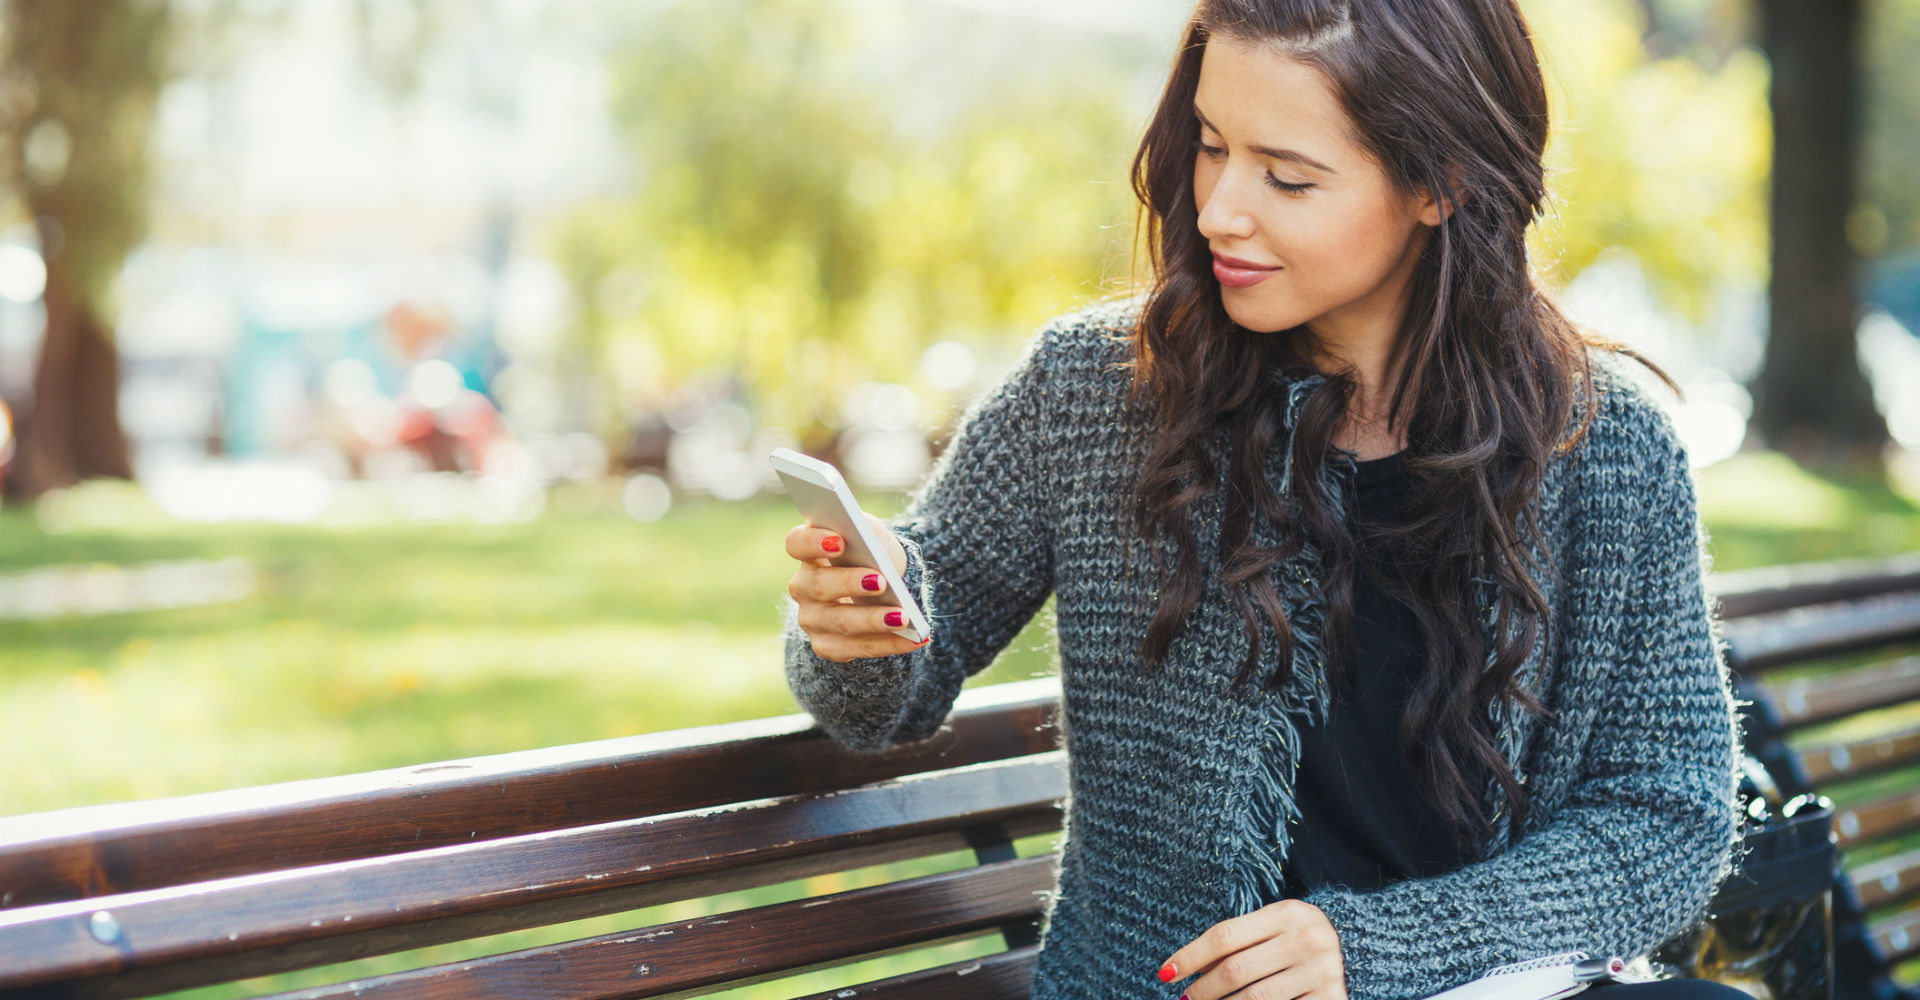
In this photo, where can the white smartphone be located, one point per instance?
(820, 492)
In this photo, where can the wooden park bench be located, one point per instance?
(1826, 653)
(134, 899)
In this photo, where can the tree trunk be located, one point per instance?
(1811, 400)
(91, 73)
(71, 431)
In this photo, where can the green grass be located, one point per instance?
(376, 647)
(1762, 510)
(370, 647)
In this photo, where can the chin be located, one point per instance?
(1259, 318)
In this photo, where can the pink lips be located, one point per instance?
(1236, 273)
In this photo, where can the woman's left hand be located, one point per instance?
(1282, 951)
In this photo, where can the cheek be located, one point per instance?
(1339, 231)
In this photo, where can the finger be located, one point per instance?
(1265, 971)
(1220, 941)
(859, 581)
(804, 541)
(844, 650)
(842, 632)
(1297, 982)
(850, 621)
(835, 584)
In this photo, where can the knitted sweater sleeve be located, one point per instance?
(1635, 853)
(978, 537)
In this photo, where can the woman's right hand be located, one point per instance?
(840, 629)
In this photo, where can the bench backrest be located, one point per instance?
(139, 898)
(1846, 726)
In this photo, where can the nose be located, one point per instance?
(1224, 213)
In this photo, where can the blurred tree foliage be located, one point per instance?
(1661, 138)
(786, 228)
(794, 226)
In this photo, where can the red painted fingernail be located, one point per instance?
(871, 581)
(1183, 996)
(895, 619)
(1168, 974)
(830, 543)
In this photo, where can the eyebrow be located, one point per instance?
(1278, 154)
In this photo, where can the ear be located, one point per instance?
(1428, 208)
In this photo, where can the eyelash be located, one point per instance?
(1272, 182)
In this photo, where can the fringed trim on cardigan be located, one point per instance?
(1263, 836)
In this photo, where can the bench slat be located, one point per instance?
(274, 922)
(129, 847)
(1898, 935)
(1770, 640)
(1743, 593)
(1006, 975)
(1891, 814)
(1812, 700)
(1844, 761)
(737, 948)
(1829, 763)
(1888, 880)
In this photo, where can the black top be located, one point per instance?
(1363, 823)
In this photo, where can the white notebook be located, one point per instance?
(1543, 978)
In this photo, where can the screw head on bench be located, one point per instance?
(106, 930)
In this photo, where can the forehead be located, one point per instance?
(1259, 95)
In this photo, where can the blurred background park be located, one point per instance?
(391, 381)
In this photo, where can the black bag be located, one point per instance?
(1770, 927)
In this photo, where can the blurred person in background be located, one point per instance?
(434, 421)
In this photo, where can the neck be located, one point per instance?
(1360, 337)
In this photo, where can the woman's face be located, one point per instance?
(1279, 183)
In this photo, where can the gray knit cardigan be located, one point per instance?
(1180, 794)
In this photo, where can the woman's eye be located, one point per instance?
(1280, 185)
(1272, 181)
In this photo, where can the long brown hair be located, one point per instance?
(1447, 96)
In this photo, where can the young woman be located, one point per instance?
(1343, 447)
